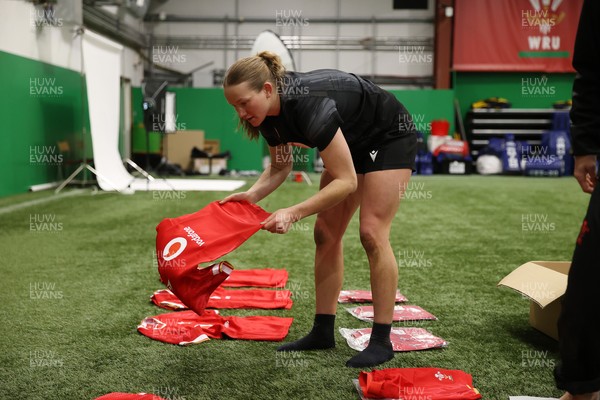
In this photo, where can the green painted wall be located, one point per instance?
(41, 105)
(523, 90)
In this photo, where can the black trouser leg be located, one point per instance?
(578, 326)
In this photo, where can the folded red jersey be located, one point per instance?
(224, 298)
(267, 277)
(422, 383)
(364, 296)
(129, 396)
(187, 327)
(401, 313)
(403, 339)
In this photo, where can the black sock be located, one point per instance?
(378, 351)
(320, 337)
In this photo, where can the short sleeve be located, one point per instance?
(318, 120)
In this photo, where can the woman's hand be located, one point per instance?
(281, 220)
(241, 196)
(585, 172)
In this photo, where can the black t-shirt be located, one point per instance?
(585, 113)
(314, 105)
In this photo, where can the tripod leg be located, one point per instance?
(70, 178)
(103, 178)
(306, 178)
(139, 169)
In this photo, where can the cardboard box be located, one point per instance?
(544, 283)
(179, 146)
(204, 166)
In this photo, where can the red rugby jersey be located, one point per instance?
(187, 327)
(418, 383)
(185, 242)
(224, 298)
(207, 234)
(266, 277)
(129, 396)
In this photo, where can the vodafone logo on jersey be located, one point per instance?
(174, 248)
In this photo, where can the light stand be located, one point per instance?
(154, 103)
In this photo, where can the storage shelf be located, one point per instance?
(517, 110)
(511, 121)
(509, 131)
(485, 142)
(528, 124)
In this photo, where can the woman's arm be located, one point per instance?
(270, 179)
(338, 161)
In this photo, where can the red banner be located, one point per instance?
(515, 35)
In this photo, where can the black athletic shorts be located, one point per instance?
(398, 151)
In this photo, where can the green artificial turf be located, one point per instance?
(93, 268)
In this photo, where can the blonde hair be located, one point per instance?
(256, 70)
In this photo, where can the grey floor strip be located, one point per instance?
(19, 206)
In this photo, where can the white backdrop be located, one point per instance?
(102, 65)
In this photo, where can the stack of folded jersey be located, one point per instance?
(182, 244)
(402, 338)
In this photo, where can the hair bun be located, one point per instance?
(274, 64)
(269, 57)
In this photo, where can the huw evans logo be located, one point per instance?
(167, 393)
(413, 393)
(167, 55)
(536, 358)
(292, 87)
(44, 358)
(541, 19)
(44, 223)
(166, 328)
(537, 87)
(414, 191)
(413, 259)
(294, 221)
(537, 223)
(45, 155)
(161, 122)
(171, 259)
(291, 154)
(290, 359)
(44, 87)
(44, 291)
(540, 155)
(290, 18)
(416, 122)
(541, 291)
(295, 289)
(414, 55)
(169, 195)
(45, 17)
